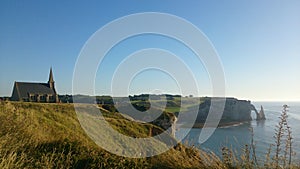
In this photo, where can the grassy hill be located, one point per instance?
(40, 135)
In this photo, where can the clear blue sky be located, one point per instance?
(258, 43)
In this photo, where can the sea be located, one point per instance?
(237, 136)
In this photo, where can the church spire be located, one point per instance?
(51, 81)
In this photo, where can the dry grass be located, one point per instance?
(49, 136)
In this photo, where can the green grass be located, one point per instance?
(175, 105)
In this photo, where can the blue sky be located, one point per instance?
(258, 43)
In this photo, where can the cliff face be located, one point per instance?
(167, 121)
(235, 110)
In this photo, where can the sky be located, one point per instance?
(258, 43)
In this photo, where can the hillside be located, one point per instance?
(40, 135)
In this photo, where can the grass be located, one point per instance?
(40, 135)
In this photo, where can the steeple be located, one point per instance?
(51, 81)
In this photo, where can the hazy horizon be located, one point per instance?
(280, 101)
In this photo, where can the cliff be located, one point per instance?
(235, 111)
(166, 121)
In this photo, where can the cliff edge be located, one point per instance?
(235, 111)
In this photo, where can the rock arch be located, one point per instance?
(259, 115)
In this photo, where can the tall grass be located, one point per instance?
(283, 142)
(37, 135)
(278, 156)
(48, 136)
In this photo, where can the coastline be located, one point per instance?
(220, 125)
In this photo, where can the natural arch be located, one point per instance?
(259, 115)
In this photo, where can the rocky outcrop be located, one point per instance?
(235, 111)
(261, 114)
(167, 121)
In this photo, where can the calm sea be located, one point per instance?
(236, 137)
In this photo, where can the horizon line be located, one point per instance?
(178, 95)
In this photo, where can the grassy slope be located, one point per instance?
(36, 135)
(50, 136)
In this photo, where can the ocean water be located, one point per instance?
(236, 137)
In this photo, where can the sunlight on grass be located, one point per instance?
(35, 135)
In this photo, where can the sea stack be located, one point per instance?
(261, 114)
